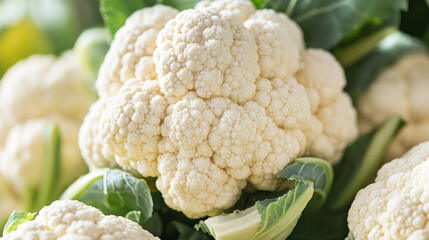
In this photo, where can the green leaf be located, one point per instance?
(278, 218)
(415, 21)
(51, 170)
(17, 218)
(275, 218)
(361, 162)
(134, 216)
(114, 192)
(361, 74)
(90, 48)
(116, 12)
(318, 171)
(324, 224)
(325, 23)
(180, 4)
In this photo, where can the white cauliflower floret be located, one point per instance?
(209, 52)
(242, 8)
(401, 90)
(333, 122)
(130, 55)
(67, 220)
(89, 143)
(283, 20)
(236, 97)
(130, 127)
(278, 53)
(25, 153)
(40, 85)
(396, 206)
(35, 94)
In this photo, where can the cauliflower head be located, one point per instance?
(214, 98)
(36, 93)
(73, 220)
(400, 89)
(396, 206)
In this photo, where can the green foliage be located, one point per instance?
(116, 12)
(15, 219)
(114, 192)
(361, 74)
(357, 168)
(326, 23)
(275, 218)
(46, 191)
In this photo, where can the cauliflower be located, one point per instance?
(70, 219)
(36, 94)
(396, 206)
(215, 98)
(401, 90)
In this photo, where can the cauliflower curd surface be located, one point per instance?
(212, 99)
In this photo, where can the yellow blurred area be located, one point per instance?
(21, 40)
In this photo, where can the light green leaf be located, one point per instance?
(115, 12)
(278, 218)
(134, 216)
(114, 192)
(15, 219)
(275, 218)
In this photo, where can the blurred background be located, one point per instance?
(42, 26)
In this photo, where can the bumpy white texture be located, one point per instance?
(333, 121)
(68, 219)
(130, 127)
(233, 103)
(396, 206)
(400, 89)
(242, 8)
(130, 54)
(34, 94)
(40, 85)
(209, 52)
(89, 143)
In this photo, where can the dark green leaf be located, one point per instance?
(325, 23)
(17, 218)
(363, 73)
(415, 21)
(324, 224)
(114, 192)
(361, 161)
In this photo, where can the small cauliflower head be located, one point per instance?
(24, 154)
(396, 206)
(73, 220)
(232, 98)
(400, 89)
(36, 93)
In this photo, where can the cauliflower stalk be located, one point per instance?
(40, 97)
(399, 90)
(70, 219)
(396, 205)
(212, 99)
